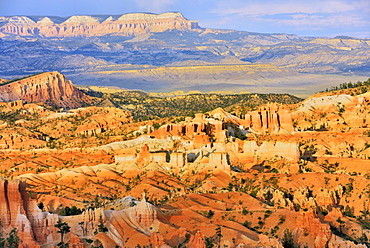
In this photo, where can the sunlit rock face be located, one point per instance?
(18, 210)
(87, 26)
(50, 87)
(272, 118)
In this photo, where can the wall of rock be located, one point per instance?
(272, 118)
(18, 210)
(127, 25)
(50, 87)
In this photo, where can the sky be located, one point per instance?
(327, 18)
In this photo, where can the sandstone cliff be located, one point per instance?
(272, 118)
(51, 88)
(18, 210)
(87, 26)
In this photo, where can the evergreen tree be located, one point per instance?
(13, 240)
(101, 226)
(63, 229)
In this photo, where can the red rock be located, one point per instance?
(99, 120)
(189, 130)
(285, 120)
(145, 213)
(309, 222)
(17, 210)
(105, 240)
(201, 140)
(157, 241)
(271, 118)
(75, 242)
(144, 156)
(272, 150)
(199, 118)
(19, 137)
(197, 241)
(50, 87)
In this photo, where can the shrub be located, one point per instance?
(13, 240)
(210, 214)
(287, 240)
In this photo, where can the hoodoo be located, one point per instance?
(18, 210)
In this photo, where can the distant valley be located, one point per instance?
(167, 52)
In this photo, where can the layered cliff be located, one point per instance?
(87, 26)
(51, 88)
(18, 210)
(271, 118)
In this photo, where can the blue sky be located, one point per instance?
(305, 18)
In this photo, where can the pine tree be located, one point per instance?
(63, 229)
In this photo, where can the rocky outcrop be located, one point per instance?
(272, 118)
(51, 88)
(10, 106)
(336, 241)
(271, 150)
(158, 241)
(304, 198)
(197, 127)
(326, 197)
(220, 114)
(99, 120)
(325, 102)
(26, 140)
(75, 241)
(87, 26)
(18, 210)
(333, 112)
(2, 81)
(276, 196)
(198, 240)
(310, 223)
(266, 241)
(145, 214)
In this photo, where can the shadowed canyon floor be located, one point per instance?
(267, 175)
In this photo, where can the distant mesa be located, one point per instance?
(51, 88)
(81, 19)
(87, 26)
(45, 21)
(17, 20)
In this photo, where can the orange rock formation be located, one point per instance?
(50, 87)
(271, 118)
(215, 178)
(18, 211)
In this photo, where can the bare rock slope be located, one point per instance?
(51, 88)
